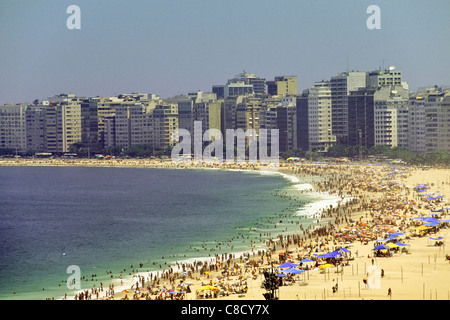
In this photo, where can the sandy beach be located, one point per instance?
(386, 209)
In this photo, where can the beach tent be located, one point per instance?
(287, 265)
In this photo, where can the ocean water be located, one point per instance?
(114, 220)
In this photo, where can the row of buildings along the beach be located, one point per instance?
(351, 108)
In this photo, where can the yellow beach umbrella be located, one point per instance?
(327, 265)
(422, 228)
(392, 245)
(208, 287)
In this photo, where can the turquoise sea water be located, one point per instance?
(109, 219)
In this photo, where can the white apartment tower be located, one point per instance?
(319, 117)
(391, 116)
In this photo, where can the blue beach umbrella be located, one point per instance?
(436, 239)
(431, 224)
(293, 270)
(333, 254)
(402, 244)
(306, 260)
(381, 247)
(287, 265)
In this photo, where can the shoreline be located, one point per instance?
(129, 280)
(298, 242)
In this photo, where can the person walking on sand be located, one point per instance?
(390, 293)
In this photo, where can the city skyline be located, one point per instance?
(174, 47)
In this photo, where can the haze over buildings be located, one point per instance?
(312, 70)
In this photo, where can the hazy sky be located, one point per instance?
(170, 47)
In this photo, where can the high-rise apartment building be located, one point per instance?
(164, 125)
(132, 125)
(302, 121)
(391, 116)
(69, 124)
(387, 77)
(341, 85)
(416, 123)
(13, 133)
(243, 83)
(283, 85)
(36, 128)
(437, 121)
(320, 123)
(361, 117)
(279, 113)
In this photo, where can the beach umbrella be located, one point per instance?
(207, 287)
(306, 260)
(432, 224)
(402, 244)
(436, 239)
(392, 245)
(422, 228)
(292, 270)
(327, 265)
(343, 249)
(281, 275)
(287, 265)
(333, 254)
(381, 247)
